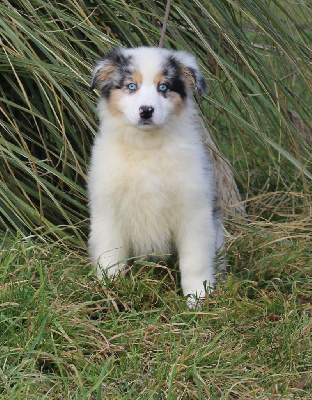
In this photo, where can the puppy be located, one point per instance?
(151, 185)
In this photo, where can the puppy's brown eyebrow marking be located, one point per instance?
(137, 77)
(159, 78)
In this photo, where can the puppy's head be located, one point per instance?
(146, 86)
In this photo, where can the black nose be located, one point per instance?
(146, 112)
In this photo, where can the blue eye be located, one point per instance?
(162, 87)
(132, 86)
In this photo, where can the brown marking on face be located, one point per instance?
(159, 78)
(177, 101)
(137, 77)
(113, 102)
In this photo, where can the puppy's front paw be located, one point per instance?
(193, 302)
(109, 271)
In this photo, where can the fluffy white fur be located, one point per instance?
(151, 187)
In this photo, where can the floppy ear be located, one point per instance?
(191, 72)
(195, 78)
(101, 73)
(104, 73)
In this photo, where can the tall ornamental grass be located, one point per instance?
(256, 58)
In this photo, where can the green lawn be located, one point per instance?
(66, 336)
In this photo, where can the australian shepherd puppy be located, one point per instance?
(151, 185)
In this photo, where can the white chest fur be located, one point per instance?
(145, 189)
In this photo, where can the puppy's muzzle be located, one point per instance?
(146, 112)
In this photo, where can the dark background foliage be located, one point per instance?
(255, 57)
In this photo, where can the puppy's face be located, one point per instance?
(145, 86)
